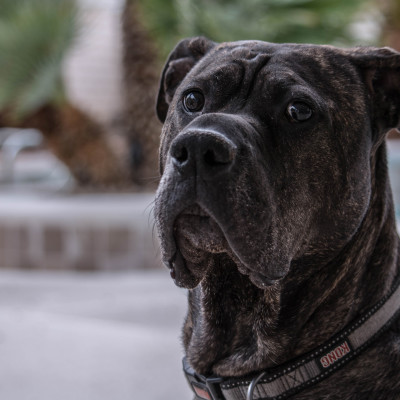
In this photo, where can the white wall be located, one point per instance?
(92, 69)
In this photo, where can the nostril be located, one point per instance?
(181, 155)
(219, 155)
(210, 159)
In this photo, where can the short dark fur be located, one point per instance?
(282, 231)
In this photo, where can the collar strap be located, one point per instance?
(281, 382)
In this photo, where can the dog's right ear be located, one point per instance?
(380, 68)
(182, 59)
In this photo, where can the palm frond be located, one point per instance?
(34, 37)
(312, 21)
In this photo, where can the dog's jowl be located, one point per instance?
(275, 212)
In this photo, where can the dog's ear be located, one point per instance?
(380, 68)
(182, 59)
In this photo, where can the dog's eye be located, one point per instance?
(299, 112)
(193, 101)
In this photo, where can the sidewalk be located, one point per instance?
(90, 336)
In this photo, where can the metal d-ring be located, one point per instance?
(252, 386)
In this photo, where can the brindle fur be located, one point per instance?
(298, 237)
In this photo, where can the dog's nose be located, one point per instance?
(204, 153)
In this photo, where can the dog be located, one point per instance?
(275, 211)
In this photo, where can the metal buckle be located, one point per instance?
(252, 386)
(204, 388)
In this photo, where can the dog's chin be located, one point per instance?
(198, 239)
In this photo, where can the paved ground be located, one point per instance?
(90, 336)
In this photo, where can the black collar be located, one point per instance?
(281, 382)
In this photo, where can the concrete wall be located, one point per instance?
(92, 69)
(85, 232)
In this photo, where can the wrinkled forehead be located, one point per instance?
(229, 63)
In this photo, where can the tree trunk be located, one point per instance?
(391, 36)
(141, 74)
(391, 30)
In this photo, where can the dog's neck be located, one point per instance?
(234, 328)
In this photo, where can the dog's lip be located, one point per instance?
(176, 256)
(192, 210)
(179, 272)
(176, 263)
(261, 281)
(195, 210)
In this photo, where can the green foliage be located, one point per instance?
(393, 14)
(162, 21)
(312, 21)
(34, 37)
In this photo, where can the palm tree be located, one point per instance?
(391, 30)
(34, 38)
(391, 35)
(141, 71)
(312, 21)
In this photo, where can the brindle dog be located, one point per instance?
(275, 208)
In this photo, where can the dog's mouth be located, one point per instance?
(198, 238)
(194, 228)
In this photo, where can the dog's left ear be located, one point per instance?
(381, 71)
(181, 60)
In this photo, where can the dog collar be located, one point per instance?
(281, 382)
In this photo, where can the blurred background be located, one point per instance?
(86, 311)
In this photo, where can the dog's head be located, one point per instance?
(266, 152)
